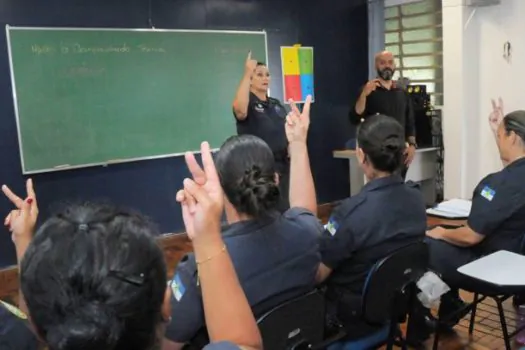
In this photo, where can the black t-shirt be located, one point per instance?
(266, 119)
(386, 215)
(394, 102)
(276, 259)
(498, 209)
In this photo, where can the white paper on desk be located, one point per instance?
(454, 208)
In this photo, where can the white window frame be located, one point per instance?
(399, 10)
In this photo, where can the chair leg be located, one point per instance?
(503, 321)
(436, 339)
(402, 341)
(437, 331)
(392, 334)
(473, 315)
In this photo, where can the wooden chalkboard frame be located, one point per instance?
(8, 28)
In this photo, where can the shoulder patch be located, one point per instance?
(332, 226)
(488, 193)
(177, 287)
(14, 310)
(342, 211)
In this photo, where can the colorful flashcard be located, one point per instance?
(298, 72)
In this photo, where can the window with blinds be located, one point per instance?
(413, 33)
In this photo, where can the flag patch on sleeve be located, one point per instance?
(332, 226)
(488, 193)
(177, 287)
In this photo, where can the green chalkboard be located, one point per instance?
(88, 97)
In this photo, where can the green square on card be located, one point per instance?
(306, 60)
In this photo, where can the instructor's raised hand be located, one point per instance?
(250, 64)
(370, 86)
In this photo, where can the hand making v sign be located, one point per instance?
(297, 123)
(202, 197)
(496, 115)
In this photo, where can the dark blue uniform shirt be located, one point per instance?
(498, 209)
(265, 119)
(276, 259)
(15, 333)
(386, 215)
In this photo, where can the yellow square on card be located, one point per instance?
(290, 58)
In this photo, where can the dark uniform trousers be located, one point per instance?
(446, 258)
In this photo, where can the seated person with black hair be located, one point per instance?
(496, 220)
(15, 333)
(386, 215)
(93, 276)
(275, 254)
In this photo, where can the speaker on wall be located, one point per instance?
(421, 105)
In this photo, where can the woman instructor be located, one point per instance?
(258, 114)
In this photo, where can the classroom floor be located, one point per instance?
(487, 331)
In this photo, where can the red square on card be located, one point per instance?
(292, 87)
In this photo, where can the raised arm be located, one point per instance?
(21, 223)
(360, 105)
(302, 189)
(242, 97)
(228, 314)
(496, 118)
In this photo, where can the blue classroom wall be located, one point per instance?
(338, 32)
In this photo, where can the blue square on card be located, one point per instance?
(307, 85)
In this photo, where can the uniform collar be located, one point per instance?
(392, 88)
(517, 163)
(253, 97)
(246, 226)
(383, 182)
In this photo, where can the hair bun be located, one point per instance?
(258, 193)
(392, 143)
(90, 326)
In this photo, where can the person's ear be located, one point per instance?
(166, 306)
(276, 178)
(361, 157)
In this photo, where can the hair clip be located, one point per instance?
(132, 279)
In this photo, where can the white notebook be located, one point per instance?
(452, 209)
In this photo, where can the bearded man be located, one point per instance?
(382, 96)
